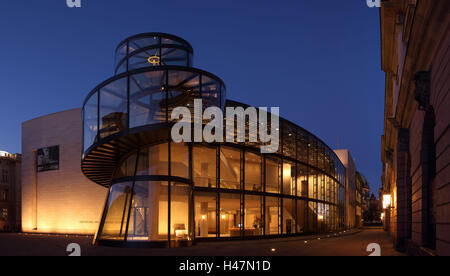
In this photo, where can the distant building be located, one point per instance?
(363, 197)
(10, 192)
(350, 187)
(415, 42)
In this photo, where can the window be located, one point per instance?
(253, 215)
(289, 216)
(273, 213)
(230, 168)
(205, 215)
(4, 214)
(204, 166)
(154, 160)
(149, 213)
(273, 175)
(114, 226)
(179, 211)
(288, 178)
(253, 172)
(230, 215)
(180, 160)
(147, 99)
(5, 176)
(113, 108)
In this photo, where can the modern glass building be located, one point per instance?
(163, 193)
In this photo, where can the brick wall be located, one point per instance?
(440, 100)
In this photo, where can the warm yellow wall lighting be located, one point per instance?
(386, 201)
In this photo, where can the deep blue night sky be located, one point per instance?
(319, 61)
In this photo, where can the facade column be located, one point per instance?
(403, 182)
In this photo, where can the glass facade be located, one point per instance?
(174, 193)
(192, 202)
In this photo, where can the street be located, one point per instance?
(350, 243)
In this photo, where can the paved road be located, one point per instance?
(351, 243)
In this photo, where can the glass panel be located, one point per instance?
(147, 99)
(301, 215)
(312, 217)
(113, 108)
(147, 58)
(312, 151)
(205, 215)
(288, 216)
(313, 183)
(180, 160)
(273, 175)
(174, 56)
(183, 88)
(127, 167)
(139, 43)
(179, 209)
(288, 178)
(302, 146)
(253, 215)
(149, 215)
(302, 180)
(289, 148)
(230, 215)
(204, 166)
(230, 168)
(90, 121)
(273, 212)
(171, 41)
(210, 91)
(253, 172)
(321, 187)
(114, 225)
(154, 160)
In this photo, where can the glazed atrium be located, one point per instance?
(170, 194)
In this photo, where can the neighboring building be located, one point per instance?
(56, 196)
(350, 187)
(415, 44)
(374, 215)
(10, 193)
(365, 196)
(360, 182)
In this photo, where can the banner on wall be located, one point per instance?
(48, 159)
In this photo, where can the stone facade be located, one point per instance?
(415, 145)
(59, 201)
(350, 188)
(10, 193)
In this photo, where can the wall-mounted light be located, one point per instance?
(224, 216)
(203, 217)
(387, 201)
(320, 217)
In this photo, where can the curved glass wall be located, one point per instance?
(169, 193)
(146, 97)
